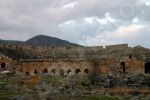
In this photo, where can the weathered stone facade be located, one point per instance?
(55, 67)
(5, 62)
(118, 59)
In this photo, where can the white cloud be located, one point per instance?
(135, 20)
(70, 5)
(68, 19)
(123, 34)
(104, 20)
(89, 19)
(127, 31)
(146, 2)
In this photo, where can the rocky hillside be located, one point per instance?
(10, 48)
(40, 40)
(48, 41)
(17, 53)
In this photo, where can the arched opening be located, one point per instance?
(20, 69)
(130, 56)
(45, 71)
(27, 73)
(68, 71)
(78, 71)
(35, 71)
(123, 67)
(53, 71)
(3, 66)
(61, 72)
(53, 47)
(86, 71)
(147, 67)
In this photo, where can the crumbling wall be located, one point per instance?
(54, 67)
(78, 60)
(119, 46)
(5, 62)
(124, 65)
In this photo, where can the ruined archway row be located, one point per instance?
(61, 72)
(56, 68)
(122, 65)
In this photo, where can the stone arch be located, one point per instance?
(77, 71)
(86, 71)
(3, 66)
(123, 65)
(61, 72)
(35, 71)
(27, 73)
(53, 47)
(147, 67)
(68, 71)
(45, 70)
(53, 71)
(130, 56)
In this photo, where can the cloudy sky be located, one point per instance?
(87, 22)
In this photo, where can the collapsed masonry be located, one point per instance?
(57, 60)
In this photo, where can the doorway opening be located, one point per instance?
(3, 66)
(123, 65)
(86, 71)
(45, 71)
(53, 71)
(68, 71)
(147, 67)
(78, 71)
(35, 71)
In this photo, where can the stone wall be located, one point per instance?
(54, 67)
(122, 66)
(78, 60)
(83, 67)
(5, 62)
(122, 46)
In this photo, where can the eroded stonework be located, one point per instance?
(57, 60)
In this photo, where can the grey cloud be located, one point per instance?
(31, 17)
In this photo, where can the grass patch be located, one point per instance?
(10, 80)
(8, 95)
(54, 79)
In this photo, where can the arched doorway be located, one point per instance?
(3, 66)
(68, 71)
(130, 56)
(86, 71)
(45, 71)
(77, 71)
(147, 67)
(35, 71)
(27, 73)
(123, 65)
(53, 71)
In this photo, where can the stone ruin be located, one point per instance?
(79, 60)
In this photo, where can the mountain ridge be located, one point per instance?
(40, 40)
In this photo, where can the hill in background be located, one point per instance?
(41, 40)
